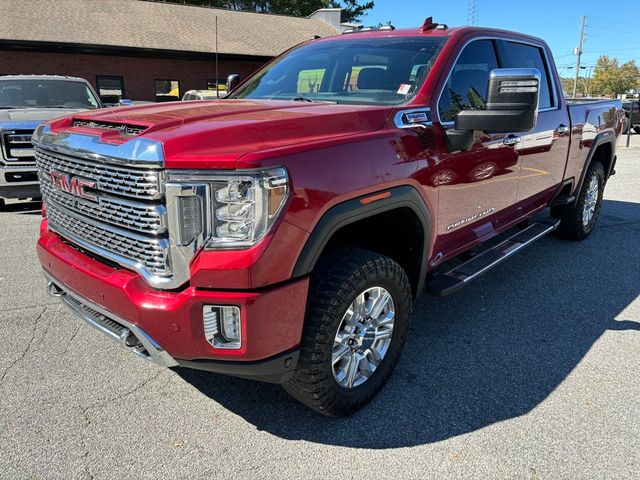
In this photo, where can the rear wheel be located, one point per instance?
(579, 220)
(1, 203)
(356, 324)
(637, 129)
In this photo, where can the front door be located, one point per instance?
(476, 188)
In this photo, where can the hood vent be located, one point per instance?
(126, 130)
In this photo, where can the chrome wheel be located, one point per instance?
(363, 337)
(590, 201)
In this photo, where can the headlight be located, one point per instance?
(243, 206)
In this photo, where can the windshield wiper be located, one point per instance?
(305, 99)
(8, 107)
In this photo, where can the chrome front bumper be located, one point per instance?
(125, 333)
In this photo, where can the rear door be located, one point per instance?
(543, 151)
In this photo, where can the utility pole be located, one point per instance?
(472, 12)
(578, 52)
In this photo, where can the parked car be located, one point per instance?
(202, 95)
(281, 234)
(25, 102)
(632, 114)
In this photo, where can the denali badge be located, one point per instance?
(74, 185)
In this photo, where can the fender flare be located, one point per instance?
(354, 210)
(601, 139)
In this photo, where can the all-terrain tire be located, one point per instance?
(338, 279)
(572, 217)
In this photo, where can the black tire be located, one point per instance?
(626, 126)
(572, 225)
(336, 282)
(637, 129)
(1, 203)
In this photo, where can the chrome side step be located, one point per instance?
(449, 282)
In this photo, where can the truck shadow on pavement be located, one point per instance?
(492, 352)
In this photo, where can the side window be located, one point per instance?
(520, 55)
(466, 87)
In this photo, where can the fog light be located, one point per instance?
(222, 327)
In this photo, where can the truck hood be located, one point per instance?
(30, 118)
(215, 134)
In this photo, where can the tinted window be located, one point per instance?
(110, 88)
(372, 71)
(167, 90)
(466, 87)
(519, 55)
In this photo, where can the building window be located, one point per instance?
(222, 85)
(167, 90)
(110, 88)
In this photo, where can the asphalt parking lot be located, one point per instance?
(531, 372)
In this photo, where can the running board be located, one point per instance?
(449, 282)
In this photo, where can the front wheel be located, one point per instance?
(356, 324)
(578, 221)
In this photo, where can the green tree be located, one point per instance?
(353, 9)
(611, 78)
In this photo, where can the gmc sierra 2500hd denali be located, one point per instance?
(281, 234)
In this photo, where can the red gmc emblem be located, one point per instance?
(73, 185)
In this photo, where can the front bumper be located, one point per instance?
(166, 327)
(19, 182)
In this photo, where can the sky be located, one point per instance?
(612, 26)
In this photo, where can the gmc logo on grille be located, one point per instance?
(73, 185)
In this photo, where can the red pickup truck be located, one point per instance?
(282, 233)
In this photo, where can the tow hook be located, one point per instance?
(54, 290)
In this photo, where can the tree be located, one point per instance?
(353, 9)
(610, 78)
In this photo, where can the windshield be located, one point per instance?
(368, 71)
(30, 93)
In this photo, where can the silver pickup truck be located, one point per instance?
(25, 102)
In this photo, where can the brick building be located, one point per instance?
(145, 50)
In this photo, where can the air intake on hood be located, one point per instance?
(127, 130)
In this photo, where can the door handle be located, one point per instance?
(562, 129)
(511, 140)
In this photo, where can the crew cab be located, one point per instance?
(282, 233)
(25, 102)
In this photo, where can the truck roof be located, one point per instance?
(439, 31)
(43, 77)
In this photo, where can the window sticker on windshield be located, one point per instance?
(404, 88)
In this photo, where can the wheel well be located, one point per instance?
(398, 234)
(604, 155)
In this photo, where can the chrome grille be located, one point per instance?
(129, 182)
(138, 216)
(17, 148)
(149, 252)
(119, 215)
